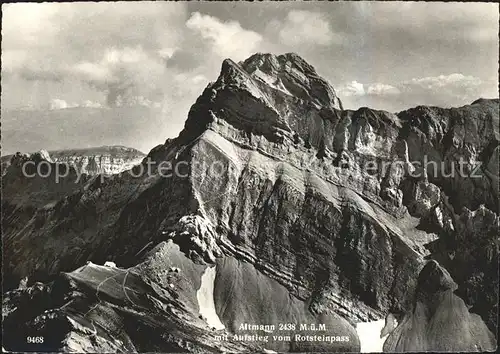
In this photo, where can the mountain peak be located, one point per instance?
(269, 62)
(291, 74)
(269, 95)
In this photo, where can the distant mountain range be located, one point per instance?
(82, 127)
(103, 159)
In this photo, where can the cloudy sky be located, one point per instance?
(161, 55)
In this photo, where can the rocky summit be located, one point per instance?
(284, 222)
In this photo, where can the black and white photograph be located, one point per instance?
(250, 177)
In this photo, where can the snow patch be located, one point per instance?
(44, 154)
(369, 336)
(205, 296)
(110, 264)
(272, 81)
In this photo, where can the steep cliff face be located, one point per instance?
(288, 195)
(461, 149)
(468, 248)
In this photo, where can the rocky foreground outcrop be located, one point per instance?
(439, 320)
(106, 309)
(153, 306)
(324, 215)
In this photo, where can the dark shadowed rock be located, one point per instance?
(468, 248)
(439, 320)
(459, 145)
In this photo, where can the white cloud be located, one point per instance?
(382, 90)
(353, 88)
(124, 73)
(140, 101)
(58, 103)
(443, 90)
(125, 55)
(229, 39)
(451, 81)
(303, 27)
(23, 25)
(118, 49)
(166, 52)
(91, 104)
(92, 72)
(432, 85)
(12, 60)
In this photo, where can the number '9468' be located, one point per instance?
(34, 340)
